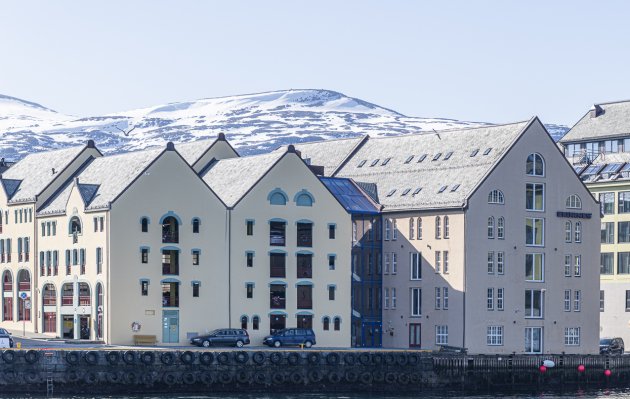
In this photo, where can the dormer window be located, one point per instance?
(442, 189)
(448, 155)
(437, 156)
(417, 190)
(454, 188)
(389, 194)
(405, 192)
(374, 162)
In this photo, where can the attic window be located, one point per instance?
(361, 163)
(455, 187)
(422, 157)
(385, 161)
(448, 155)
(389, 194)
(409, 159)
(374, 162)
(441, 190)
(417, 190)
(474, 152)
(487, 151)
(405, 192)
(437, 156)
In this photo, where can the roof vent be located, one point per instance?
(596, 111)
(53, 170)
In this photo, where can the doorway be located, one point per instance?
(170, 326)
(84, 323)
(68, 326)
(414, 335)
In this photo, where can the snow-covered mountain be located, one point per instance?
(253, 123)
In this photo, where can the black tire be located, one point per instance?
(206, 344)
(377, 359)
(73, 376)
(296, 378)
(277, 378)
(31, 356)
(315, 376)
(258, 358)
(169, 378)
(32, 378)
(351, 376)
(332, 359)
(313, 358)
(90, 357)
(259, 378)
(293, 358)
(147, 357)
(147, 379)
(414, 359)
(415, 378)
(277, 344)
(189, 378)
(223, 358)
(113, 377)
(364, 359)
(112, 357)
(390, 359)
(239, 343)
(241, 357)
(334, 377)
(390, 378)
(401, 359)
(403, 378)
(72, 357)
(206, 358)
(242, 377)
(130, 377)
(275, 358)
(8, 356)
(129, 357)
(187, 357)
(349, 359)
(206, 378)
(225, 378)
(90, 378)
(378, 376)
(167, 358)
(366, 378)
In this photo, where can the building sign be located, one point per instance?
(575, 215)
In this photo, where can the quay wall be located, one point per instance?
(211, 371)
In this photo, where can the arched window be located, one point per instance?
(535, 165)
(438, 227)
(99, 311)
(255, 322)
(491, 227)
(337, 323)
(7, 281)
(446, 227)
(67, 293)
(568, 231)
(170, 230)
(49, 295)
(277, 197)
(75, 225)
(195, 224)
(244, 322)
(412, 228)
(419, 235)
(326, 322)
(388, 228)
(7, 301)
(85, 297)
(144, 223)
(24, 280)
(574, 202)
(496, 197)
(304, 198)
(501, 228)
(578, 232)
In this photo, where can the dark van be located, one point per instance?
(611, 346)
(291, 337)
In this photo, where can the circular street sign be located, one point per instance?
(27, 304)
(23, 295)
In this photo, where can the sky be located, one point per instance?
(496, 61)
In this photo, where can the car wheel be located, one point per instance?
(239, 344)
(277, 344)
(308, 344)
(206, 344)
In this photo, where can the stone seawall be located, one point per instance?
(205, 371)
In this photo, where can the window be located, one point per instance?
(448, 155)
(43, 229)
(438, 298)
(409, 159)
(277, 233)
(534, 231)
(331, 262)
(388, 224)
(244, 322)
(386, 271)
(144, 287)
(195, 225)
(577, 298)
(487, 151)
(623, 232)
(567, 300)
(445, 262)
(577, 271)
(394, 299)
(304, 234)
(250, 290)
(101, 221)
(607, 202)
(624, 202)
(277, 265)
(535, 197)
(386, 299)
(436, 156)
(326, 323)
(75, 225)
(500, 298)
(415, 266)
(170, 261)
(394, 263)
(490, 262)
(568, 231)
(533, 339)
(331, 231)
(277, 293)
(474, 152)
(535, 165)
(437, 227)
(255, 322)
(494, 335)
(419, 235)
(533, 303)
(500, 262)
(574, 202)
(606, 263)
(361, 163)
(170, 230)
(441, 335)
(567, 265)
(496, 197)
(534, 267)
(144, 255)
(578, 232)
(442, 189)
(416, 302)
(608, 233)
(445, 298)
(437, 261)
(277, 197)
(601, 300)
(195, 287)
(304, 266)
(195, 257)
(623, 263)
(304, 199)
(422, 158)
(374, 162)
(249, 258)
(627, 301)
(491, 227)
(331, 292)
(395, 230)
(572, 336)
(337, 323)
(95, 224)
(249, 227)
(446, 227)
(170, 294)
(501, 228)
(490, 299)
(144, 223)
(412, 228)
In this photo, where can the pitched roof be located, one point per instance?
(103, 180)
(194, 150)
(415, 183)
(330, 153)
(232, 178)
(350, 195)
(613, 120)
(35, 172)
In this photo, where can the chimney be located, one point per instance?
(596, 111)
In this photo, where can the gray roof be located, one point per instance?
(103, 180)
(613, 121)
(612, 158)
(232, 178)
(405, 178)
(329, 154)
(194, 150)
(35, 172)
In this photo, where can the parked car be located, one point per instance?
(222, 337)
(291, 336)
(6, 340)
(611, 346)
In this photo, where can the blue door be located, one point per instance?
(170, 326)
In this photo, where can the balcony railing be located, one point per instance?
(24, 285)
(66, 300)
(7, 286)
(50, 301)
(84, 300)
(170, 237)
(277, 302)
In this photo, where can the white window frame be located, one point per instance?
(534, 187)
(536, 157)
(542, 304)
(500, 262)
(572, 336)
(445, 298)
(568, 231)
(568, 265)
(533, 279)
(438, 298)
(496, 197)
(394, 263)
(491, 227)
(438, 228)
(447, 228)
(577, 270)
(415, 266)
(567, 300)
(416, 301)
(395, 230)
(500, 298)
(445, 262)
(388, 228)
(534, 230)
(577, 300)
(394, 299)
(494, 336)
(386, 271)
(419, 226)
(501, 228)
(530, 331)
(577, 232)
(412, 228)
(438, 261)
(490, 299)
(441, 335)
(386, 299)
(490, 264)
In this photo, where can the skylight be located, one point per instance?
(389, 194)
(417, 190)
(409, 159)
(448, 155)
(385, 161)
(487, 151)
(406, 191)
(474, 152)
(422, 157)
(361, 163)
(455, 187)
(612, 167)
(437, 156)
(374, 162)
(441, 190)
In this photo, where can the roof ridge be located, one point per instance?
(428, 132)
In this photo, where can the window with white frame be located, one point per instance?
(395, 230)
(601, 300)
(490, 299)
(494, 335)
(445, 298)
(416, 266)
(567, 265)
(438, 297)
(394, 263)
(534, 304)
(441, 335)
(496, 197)
(445, 262)
(574, 202)
(535, 165)
(447, 227)
(568, 231)
(533, 339)
(491, 227)
(419, 235)
(534, 196)
(386, 263)
(388, 227)
(500, 262)
(577, 271)
(438, 229)
(577, 300)
(437, 262)
(578, 232)
(534, 232)
(534, 267)
(501, 228)
(567, 300)
(394, 299)
(572, 336)
(386, 299)
(412, 228)
(490, 262)
(500, 298)
(416, 302)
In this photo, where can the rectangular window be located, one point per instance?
(624, 202)
(394, 299)
(500, 262)
(43, 229)
(577, 271)
(101, 221)
(437, 261)
(608, 233)
(331, 231)
(567, 300)
(500, 298)
(415, 266)
(441, 335)
(99, 260)
(577, 299)
(445, 262)
(388, 223)
(572, 336)
(250, 259)
(195, 287)
(533, 339)
(277, 293)
(627, 301)
(331, 262)
(48, 229)
(534, 231)
(607, 202)
(494, 335)
(170, 295)
(277, 233)
(277, 265)
(250, 290)
(601, 301)
(395, 230)
(304, 297)
(145, 255)
(491, 262)
(438, 298)
(416, 302)
(623, 263)
(54, 228)
(490, 299)
(304, 234)
(250, 227)
(623, 232)
(386, 299)
(95, 224)
(394, 263)
(535, 197)
(533, 304)
(534, 267)
(386, 263)
(567, 265)
(304, 266)
(331, 292)
(195, 257)
(144, 288)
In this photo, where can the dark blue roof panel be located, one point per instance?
(349, 195)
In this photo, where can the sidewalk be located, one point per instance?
(32, 335)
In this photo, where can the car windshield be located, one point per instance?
(605, 341)
(3, 331)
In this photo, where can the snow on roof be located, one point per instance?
(194, 150)
(35, 172)
(613, 119)
(430, 170)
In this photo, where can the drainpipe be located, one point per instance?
(35, 311)
(229, 246)
(465, 276)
